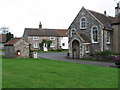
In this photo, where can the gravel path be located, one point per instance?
(62, 57)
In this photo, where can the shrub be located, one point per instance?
(105, 53)
(103, 56)
(59, 49)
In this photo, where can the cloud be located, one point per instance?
(19, 14)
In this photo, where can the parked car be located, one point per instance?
(117, 60)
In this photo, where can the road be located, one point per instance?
(61, 56)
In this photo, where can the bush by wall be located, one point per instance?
(104, 56)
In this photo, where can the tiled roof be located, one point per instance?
(45, 32)
(63, 33)
(105, 20)
(12, 42)
(2, 38)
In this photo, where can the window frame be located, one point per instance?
(83, 24)
(52, 45)
(108, 38)
(87, 49)
(52, 38)
(35, 37)
(92, 34)
(35, 45)
(73, 29)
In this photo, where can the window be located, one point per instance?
(52, 45)
(63, 44)
(108, 37)
(36, 45)
(73, 32)
(35, 38)
(83, 23)
(87, 49)
(94, 34)
(52, 38)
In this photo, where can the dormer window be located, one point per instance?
(73, 32)
(94, 34)
(83, 23)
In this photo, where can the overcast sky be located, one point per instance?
(59, 14)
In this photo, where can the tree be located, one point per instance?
(9, 36)
(4, 30)
(48, 42)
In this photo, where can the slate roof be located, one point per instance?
(85, 38)
(105, 20)
(12, 42)
(2, 38)
(46, 32)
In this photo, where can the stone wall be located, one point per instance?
(24, 47)
(9, 52)
(55, 42)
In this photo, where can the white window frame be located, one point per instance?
(87, 49)
(35, 37)
(52, 45)
(73, 29)
(92, 37)
(108, 38)
(52, 38)
(83, 24)
(35, 45)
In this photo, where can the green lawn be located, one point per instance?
(44, 73)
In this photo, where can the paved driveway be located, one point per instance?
(62, 57)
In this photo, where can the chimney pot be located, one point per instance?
(105, 13)
(40, 25)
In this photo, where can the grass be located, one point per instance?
(52, 51)
(44, 73)
(1, 50)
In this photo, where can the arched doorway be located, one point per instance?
(76, 49)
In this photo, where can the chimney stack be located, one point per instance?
(105, 13)
(117, 9)
(40, 25)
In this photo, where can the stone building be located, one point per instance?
(92, 32)
(116, 31)
(17, 48)
(3, 40)
(34, 36)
